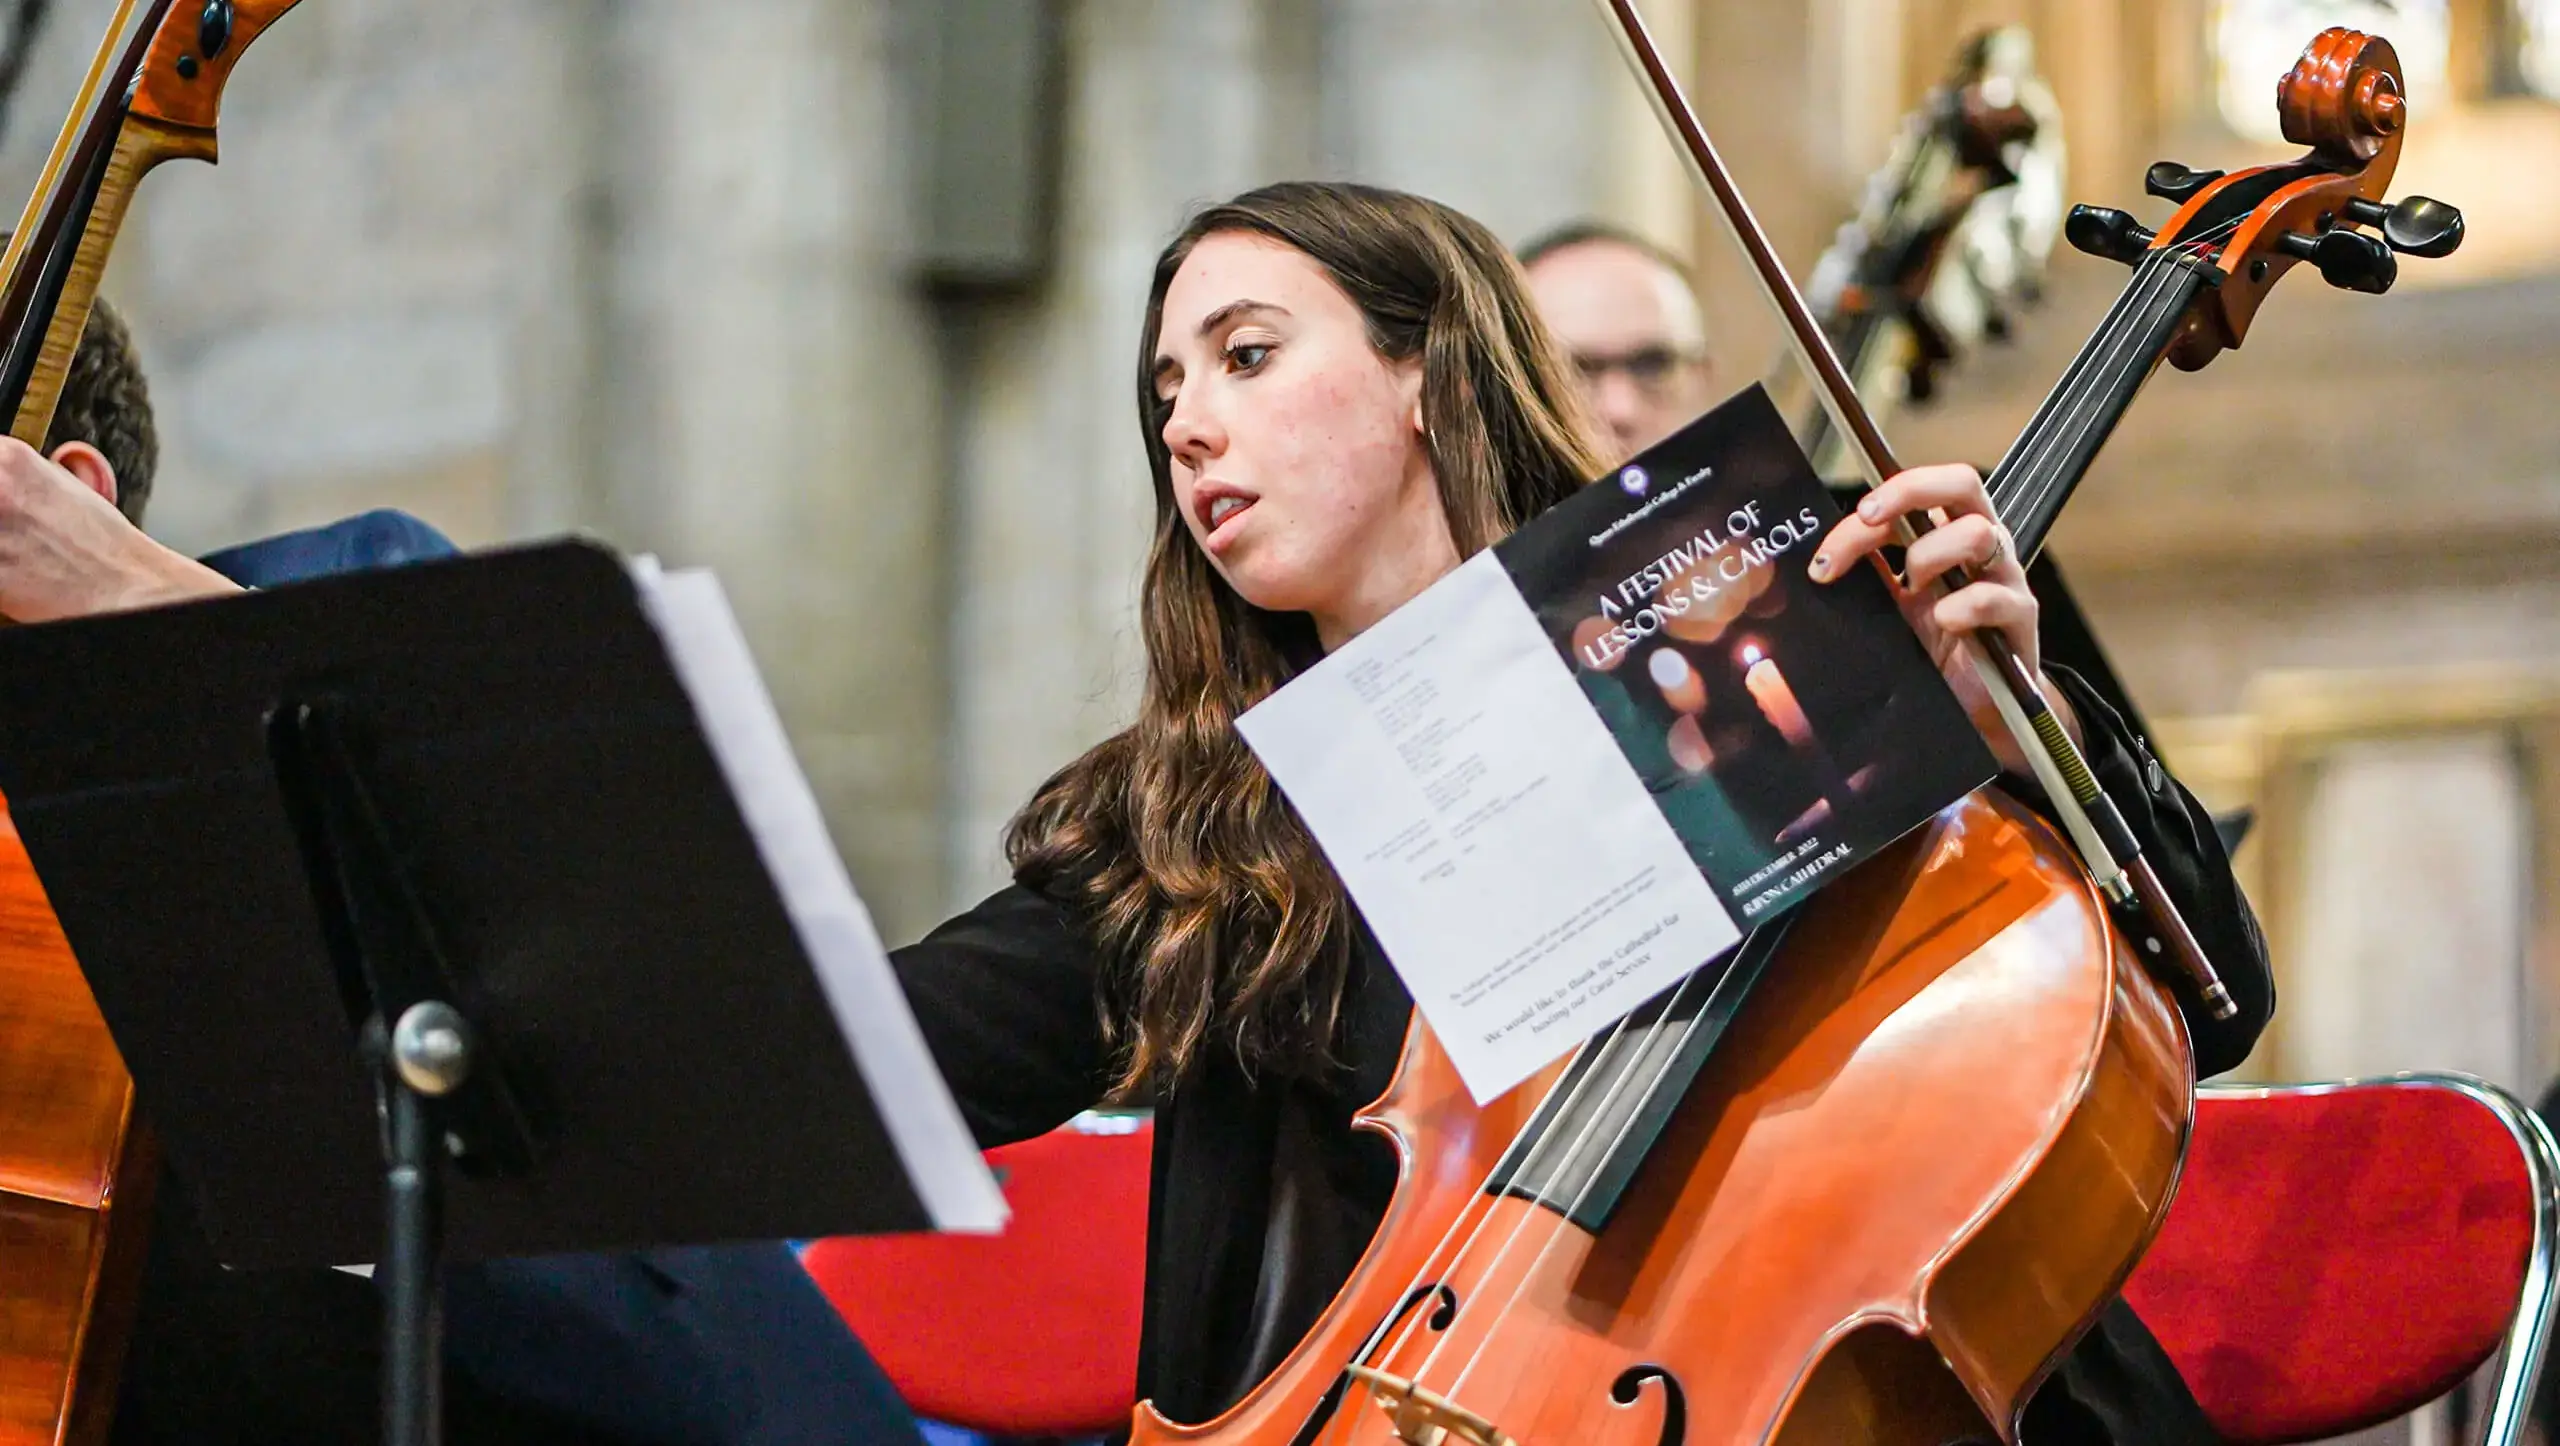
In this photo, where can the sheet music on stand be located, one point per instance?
(693, 617)
(476, 904)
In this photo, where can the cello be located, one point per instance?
(1874, 1198)
(76, 1166)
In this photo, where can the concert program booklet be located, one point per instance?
(1580, 766)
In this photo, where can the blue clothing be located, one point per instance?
(728, 1345)
(380, 538)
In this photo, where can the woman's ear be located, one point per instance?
(89, 465)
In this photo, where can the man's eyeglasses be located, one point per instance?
(1650, 368)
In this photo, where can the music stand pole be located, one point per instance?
(429, 1057)
(442, 1096)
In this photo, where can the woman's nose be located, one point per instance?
(1190, 434)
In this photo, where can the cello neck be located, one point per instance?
(43, 281)
(2049, 458)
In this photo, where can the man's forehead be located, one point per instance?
(1607, 293)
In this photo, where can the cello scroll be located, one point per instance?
(2243, 231)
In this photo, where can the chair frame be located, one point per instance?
(2538, 1301)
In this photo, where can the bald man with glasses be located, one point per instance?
(1628, 316)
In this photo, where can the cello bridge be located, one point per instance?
(1423, 1417)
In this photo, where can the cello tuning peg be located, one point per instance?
(2348, 260)
(2418, 226)
(2105, 231)
(2173, 182)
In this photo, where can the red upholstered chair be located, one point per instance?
(1033, 1332)
(2339, 1255)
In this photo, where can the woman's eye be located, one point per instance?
(1245, 356)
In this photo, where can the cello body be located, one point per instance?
(71, 1178)
(1937, 1139)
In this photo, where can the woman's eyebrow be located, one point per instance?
(1243, 306)
(1166, 366)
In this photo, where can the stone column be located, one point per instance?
(1514, 111)
(1169, 104)
(1771, 89)
(1648, 185)
(770, 395)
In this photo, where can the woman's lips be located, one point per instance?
(1222, 530)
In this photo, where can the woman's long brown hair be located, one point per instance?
(1216, 915)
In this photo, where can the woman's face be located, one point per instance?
(1298, 458)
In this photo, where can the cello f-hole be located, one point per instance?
(1629, 1389)
(1442, 1314)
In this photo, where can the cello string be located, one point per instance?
(1479, 1209)
(1563, 1221)
(2087, 378)
(2027, 453)
(1480, 1201)
(2053, 475)
(1542, 1151)
(1484, 1202)
(2042, 479)
(2153, 287)
(2034, 464)
(2081, 401)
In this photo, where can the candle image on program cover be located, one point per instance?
(1777, 701)
(1769, 689)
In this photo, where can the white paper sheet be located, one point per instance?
(1523, 883)
(711, 659)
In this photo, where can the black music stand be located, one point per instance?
(442, 866)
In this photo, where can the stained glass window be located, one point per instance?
(2256, 41)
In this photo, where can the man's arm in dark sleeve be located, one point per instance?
(2178, 837)
(1007, 998)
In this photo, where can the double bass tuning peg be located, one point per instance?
(2418, 226)
(213, 27)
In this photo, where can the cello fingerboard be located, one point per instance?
(1583, 1147)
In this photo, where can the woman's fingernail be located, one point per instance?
(1870, 509)
(1821, 568)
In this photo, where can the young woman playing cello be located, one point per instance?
(1344, 392)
